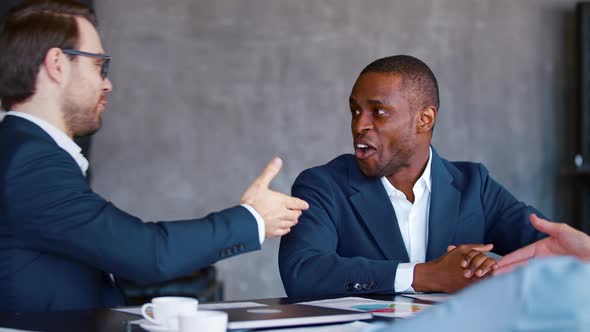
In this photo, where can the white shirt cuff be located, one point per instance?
(259, 221)
(404, 277)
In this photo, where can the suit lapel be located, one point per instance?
(444, 209)
(374, 207)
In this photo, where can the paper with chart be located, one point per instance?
(396, 309)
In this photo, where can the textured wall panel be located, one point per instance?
(207, 91)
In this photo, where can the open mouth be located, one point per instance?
(363, 150)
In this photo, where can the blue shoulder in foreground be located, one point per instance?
(550, 294)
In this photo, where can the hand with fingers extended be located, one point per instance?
(448, 273)
(476, 263)
(563, 240)
(279, 211)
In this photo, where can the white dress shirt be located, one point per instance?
(259, 221)
(68, 144)
(412, 220)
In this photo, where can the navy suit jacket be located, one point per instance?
(349, 242)
(58, 238)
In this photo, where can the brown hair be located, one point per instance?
(27, 33)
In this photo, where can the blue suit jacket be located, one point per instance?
(349, 242)
(58, 238)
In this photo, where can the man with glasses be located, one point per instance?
(60, 241)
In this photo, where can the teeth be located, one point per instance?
(361, 146)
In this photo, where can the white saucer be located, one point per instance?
(156, 328)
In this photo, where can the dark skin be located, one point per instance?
(398, 138)
(392, 138)
(476, 263)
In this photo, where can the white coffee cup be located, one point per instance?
(204, 320)
(166, 310)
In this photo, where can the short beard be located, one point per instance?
(81, 121)
(392, 167)
(399, 159)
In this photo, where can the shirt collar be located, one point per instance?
(62, 140)
(425, 179)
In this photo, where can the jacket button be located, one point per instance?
(366, 286)
(372, 284)
(358, 286)
(349, 287)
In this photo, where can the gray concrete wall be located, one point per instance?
(206, 92)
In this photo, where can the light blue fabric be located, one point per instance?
(551, 294)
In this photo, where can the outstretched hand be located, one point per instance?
(562, 240)
(279, 211)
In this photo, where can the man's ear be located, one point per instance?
(427, 119)
(56, 65)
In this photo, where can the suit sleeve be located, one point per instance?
(308, 259)
(55, 212)
(507, 220)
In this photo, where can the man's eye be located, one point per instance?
(355, 112)
(380, 111)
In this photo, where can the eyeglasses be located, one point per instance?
(104, 69)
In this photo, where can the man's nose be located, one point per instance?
(107, 85)
(362, 123)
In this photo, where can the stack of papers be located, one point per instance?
(394, 309)
(348, 327)
(439, 297)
